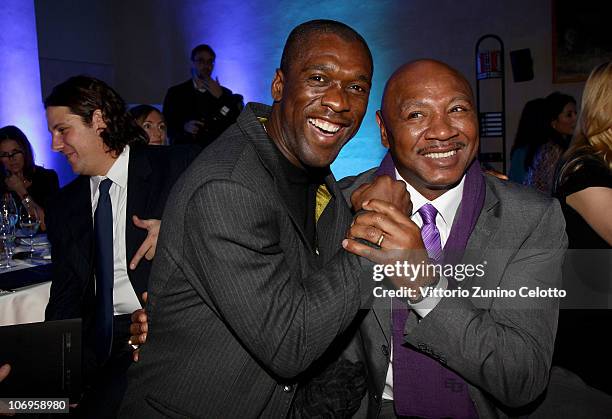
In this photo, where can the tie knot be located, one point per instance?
(105, 186)
(428, 214)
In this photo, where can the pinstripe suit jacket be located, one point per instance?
(238, 306)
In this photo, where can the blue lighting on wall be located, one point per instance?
(248, 38)
(20, 94)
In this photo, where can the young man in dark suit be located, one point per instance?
(108, 216)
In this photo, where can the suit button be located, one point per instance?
(287, 389)
(385, 350)
(375, 397)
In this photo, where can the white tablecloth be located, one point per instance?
(24, 305)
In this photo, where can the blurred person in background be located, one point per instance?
(153, 122)
(584, 188)
(27, 182)
(200, 109)
(561, 118)
(530, 135)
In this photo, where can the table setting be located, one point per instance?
(25, 264)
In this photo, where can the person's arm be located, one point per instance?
(590, 204)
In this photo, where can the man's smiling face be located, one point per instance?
(79, 142)
(323, 98)
(428, 121)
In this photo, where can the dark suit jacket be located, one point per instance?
(238, 306)
(184, 103)
(501, 346)
(152, 170)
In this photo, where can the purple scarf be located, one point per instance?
(421, 385)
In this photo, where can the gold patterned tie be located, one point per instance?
(323, 197)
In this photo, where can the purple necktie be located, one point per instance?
(429, 231)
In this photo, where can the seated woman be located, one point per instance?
(561, 120)
(584, 188)
(153, 122)
(27, 182)
(531, 133)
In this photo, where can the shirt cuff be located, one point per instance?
(423, 307)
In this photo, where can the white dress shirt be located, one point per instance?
(447, 205)
(125, 300)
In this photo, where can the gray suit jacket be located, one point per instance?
(502, 347)
(238, 304)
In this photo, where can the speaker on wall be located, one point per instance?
(522, 65)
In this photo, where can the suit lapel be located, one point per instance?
(80, 221)
(79, 224)
(485, 228)
(381, 310)
(269, 156)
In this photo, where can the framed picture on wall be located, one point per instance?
(581, 38)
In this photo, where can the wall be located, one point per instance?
(149, 42)
(20, 99)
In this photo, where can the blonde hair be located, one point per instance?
(593, 137)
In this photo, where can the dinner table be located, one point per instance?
(26, 284)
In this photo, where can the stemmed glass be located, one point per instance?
(8, 209)
(29, 222)
(7, 235)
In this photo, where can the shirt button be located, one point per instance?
(287, 389)
(385, 350)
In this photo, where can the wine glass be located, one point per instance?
(29, 222)
(8, 209)
(7, 235)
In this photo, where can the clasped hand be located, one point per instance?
(383, 220)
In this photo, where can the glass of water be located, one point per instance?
(8, 208)
(7, 235)
(29, 223)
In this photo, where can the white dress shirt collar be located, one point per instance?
(446, 204)
(118, 173)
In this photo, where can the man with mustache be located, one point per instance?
(452, 356)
